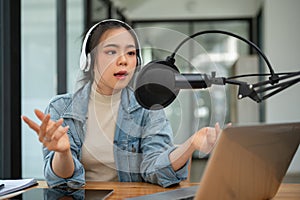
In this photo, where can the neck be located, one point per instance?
(99, 90)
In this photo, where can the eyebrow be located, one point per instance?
(117, 46)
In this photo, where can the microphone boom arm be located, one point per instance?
(273, 78)
(254, 91)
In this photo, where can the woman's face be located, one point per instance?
(115, 61)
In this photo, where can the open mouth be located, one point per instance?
(121, 74)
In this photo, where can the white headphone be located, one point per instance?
(85, 57)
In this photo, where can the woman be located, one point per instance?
(101, 133)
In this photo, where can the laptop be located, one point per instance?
(248, 162)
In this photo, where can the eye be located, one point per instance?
(131, 53)
(110, 52)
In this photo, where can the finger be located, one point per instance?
(211, 139)
(229, 124)
(31, 124)
(42, 115)
(39, 114)
(53, 128)
(61, 133)
(218, 129)
(211, 134)
(43, 127)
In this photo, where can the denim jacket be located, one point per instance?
(142, 141)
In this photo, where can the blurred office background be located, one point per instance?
(41, 43)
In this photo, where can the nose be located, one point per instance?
(122, 60)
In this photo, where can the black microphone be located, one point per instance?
(158, 83)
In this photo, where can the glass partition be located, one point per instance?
(194, 109)
(39, 70)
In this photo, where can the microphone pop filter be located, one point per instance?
(155, 85)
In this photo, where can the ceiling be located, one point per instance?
(187, 9)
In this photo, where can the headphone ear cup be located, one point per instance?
(82, 61)
(88, 62)
(85, 62)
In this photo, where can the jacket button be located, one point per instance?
(133, 149)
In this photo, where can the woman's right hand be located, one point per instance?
(51, 134)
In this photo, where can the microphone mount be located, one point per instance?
(257, 91)
(197, 81)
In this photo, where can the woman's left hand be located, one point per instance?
(205, 139)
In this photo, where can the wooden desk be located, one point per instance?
(126, 190)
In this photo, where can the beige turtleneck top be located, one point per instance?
(97, 149)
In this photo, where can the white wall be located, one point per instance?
(282, 46)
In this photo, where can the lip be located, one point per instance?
(121, 74)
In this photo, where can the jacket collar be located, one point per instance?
(78, 106)
(128, 100)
